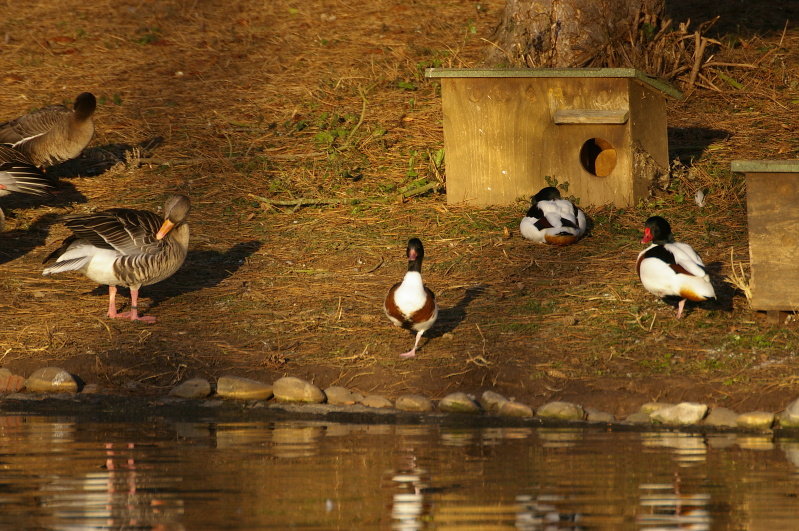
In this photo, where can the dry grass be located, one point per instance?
(326, 101)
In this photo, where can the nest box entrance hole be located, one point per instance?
(598, 157)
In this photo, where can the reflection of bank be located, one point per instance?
(408, 483)
(112, 498)
(688, 449)
(666, 505)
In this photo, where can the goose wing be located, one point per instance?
(18, 174)
(29, 126)
(126, 231)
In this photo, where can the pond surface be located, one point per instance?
(65, 474)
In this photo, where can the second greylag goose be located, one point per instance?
(552, 220)
(18, 174)
(125, 247)
(410, 304)
(53, 134)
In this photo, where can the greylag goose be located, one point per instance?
(18, 174)
(410, 304)
(53, 134)
(125, 247)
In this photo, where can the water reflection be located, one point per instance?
(60, 474)
(116, 497)
(671, 509)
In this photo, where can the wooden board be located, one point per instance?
(591, 116)
(502, 142)
(773, 215)
(765, 166)
(638, 76)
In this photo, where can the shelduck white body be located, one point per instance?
(668, 268)
(553, 220)
(410, 304)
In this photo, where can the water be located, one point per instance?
(69, 474)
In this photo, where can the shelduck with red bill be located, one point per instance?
(410, 304)
(552, 219)
(672, 269)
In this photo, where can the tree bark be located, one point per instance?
(569, 33)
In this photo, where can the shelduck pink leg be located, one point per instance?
(411, 353)
(680, 307)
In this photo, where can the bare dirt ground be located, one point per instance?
(328, 100)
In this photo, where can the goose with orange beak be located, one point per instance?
(125, 247)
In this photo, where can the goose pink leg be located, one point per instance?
(133, 314)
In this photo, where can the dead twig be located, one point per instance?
(421, 190)
(738, 277)
(170, 162)
(360, 120)
(302, 201)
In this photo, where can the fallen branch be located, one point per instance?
(303, 201)
(421, 190)
(360, 121)
(170, 162)
(297, 156)
(699, 52)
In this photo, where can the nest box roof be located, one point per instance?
(630, 73)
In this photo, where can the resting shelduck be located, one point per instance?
(669, 268)
(552, 220)
(410, 304)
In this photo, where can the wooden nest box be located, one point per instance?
(772, 187)
(602, 130)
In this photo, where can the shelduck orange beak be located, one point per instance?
(411, 255)
(164, 230)
(647, 236)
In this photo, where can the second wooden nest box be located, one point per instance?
(602, 130)
(772, 187)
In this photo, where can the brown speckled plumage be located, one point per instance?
(53, 134)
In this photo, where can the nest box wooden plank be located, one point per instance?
(602, 130)
(772, 187)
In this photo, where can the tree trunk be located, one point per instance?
(570, 33)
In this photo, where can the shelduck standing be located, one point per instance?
(668, 268)
(553, 220)
(125, 247)
(410, 304)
